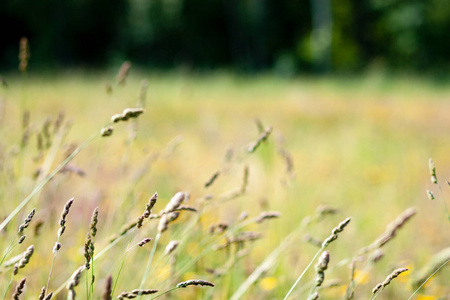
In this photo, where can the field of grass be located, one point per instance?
(338, 148)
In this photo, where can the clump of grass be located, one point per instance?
(189, 237)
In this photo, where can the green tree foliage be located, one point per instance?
(245, 34)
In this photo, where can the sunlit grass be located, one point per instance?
(360, 145)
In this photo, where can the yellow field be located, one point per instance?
(360, 146)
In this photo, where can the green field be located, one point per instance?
(358, 145)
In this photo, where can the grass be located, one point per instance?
(360, 145)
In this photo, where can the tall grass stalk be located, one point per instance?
(429, 277)
(45, 181)
(149, 263)
(96, 257)
(266, 264)
(122, 263)
(8, 286)
(303, 273)
(443, 201)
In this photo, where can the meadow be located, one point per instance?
(266, 166)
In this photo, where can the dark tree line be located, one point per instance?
(287, 35)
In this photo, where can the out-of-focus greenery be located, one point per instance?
(287, 35)
(359, 145)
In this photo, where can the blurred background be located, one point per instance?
(358, 96)
(287, 36)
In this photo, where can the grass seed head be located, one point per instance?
(176, 201)
(21, 239)
(171, 247)
(27, 221)
(64, 213)
(19, 289)
(267, 215)
(108, 289)
(88, 250)
(393, 227)
(212, 179)
(106, 131)
(195, 282)
(26, 257)
(94, 221)
(56, 247)
(24, 54)
(432, 171)
(430, 195)
(335, 231)
(73, 282)
(144, 241)
(123, 72)
(135, 293)
(321, 266)
(42, 293)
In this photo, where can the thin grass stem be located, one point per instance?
(149, 263)
(429, 277)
